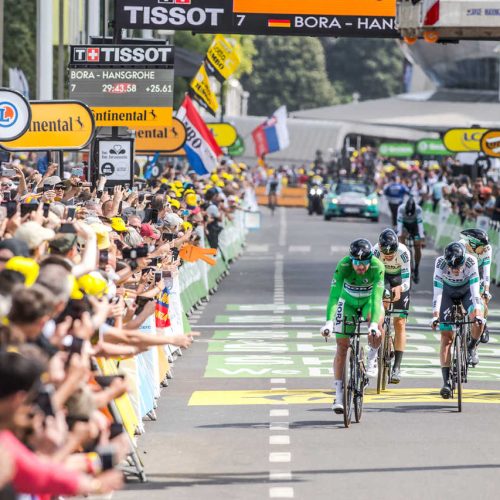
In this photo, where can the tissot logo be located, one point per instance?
(122, 55)
(92, 54)
(180, 2)
(176, 16)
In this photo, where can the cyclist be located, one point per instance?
(411, 222)
(477, 244)
(395, 193)
(273, 188)
(396, 259)
(358, 282)
(456, 276)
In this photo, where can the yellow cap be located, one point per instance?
(27, 267)
(175, 203)
(187, 226)
(214, 177)
(102, 233)
(118, 224)
(178, 184)
(76, 293)
(93, 284)
(191, 199)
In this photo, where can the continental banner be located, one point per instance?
(223, 58)
(201, 91)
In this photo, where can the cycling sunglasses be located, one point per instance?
(387, 251)
(358, 262)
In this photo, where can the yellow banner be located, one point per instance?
(202, 92)
(461, 140)
(132, 116)
(223, 57)
(161, 139)
(56, 125)
(225, 134)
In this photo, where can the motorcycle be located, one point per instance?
(315, 197)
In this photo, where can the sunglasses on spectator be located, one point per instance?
(60, 186)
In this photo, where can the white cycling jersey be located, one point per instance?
(483, 262)
(443, 275)
(416, 219)
(398, 265)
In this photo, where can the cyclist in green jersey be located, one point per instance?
(358, 282)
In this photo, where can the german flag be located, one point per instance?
(279, 23)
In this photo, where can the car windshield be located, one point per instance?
(344, 187)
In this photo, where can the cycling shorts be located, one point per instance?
(347, 311)
(451, 293)
(273, 187)
(402, 306)
(411, 228)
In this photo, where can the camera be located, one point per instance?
(137, 252)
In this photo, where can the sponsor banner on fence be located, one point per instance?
(462, 140)
(15, 115)
(397, 149)
(490, 143)
(432, 147)
(225, 134)
(56, 125)
(161, 139)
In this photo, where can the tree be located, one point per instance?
(371, 67)
(288, 70)
(20, 40)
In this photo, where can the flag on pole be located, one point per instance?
(272, 135)
(201, 149)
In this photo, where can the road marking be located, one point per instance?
(279, 413)
(280, 456)
(315, 396)
(253, 248)
(278, 380)
(283, 227)
(280, 475)
(299, 248)
(278, 389)
(279, 440)
(276, 492)
(279, 426)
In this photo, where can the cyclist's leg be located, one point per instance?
(476, 330)
(418, 253)
(446, 340)
(401, 307)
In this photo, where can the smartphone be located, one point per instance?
(71, 212)
(11, 207)
(47, 187)
(142, 301)
(8, 172)
(154, 261)
(6, 195)
(168, 236)
(106, 380)
(158, 276)
(103, 258)
(67, 227)
(175, 253)
(27, 208)
(44, 400)
(166, 274)
(135, 253)
(154, 216)
(115, 430)
(46, 207)
(119, 244)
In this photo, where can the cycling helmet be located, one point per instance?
(410, 207)
(360, 249)
(475, 237)
(388, 241)
(454, 255)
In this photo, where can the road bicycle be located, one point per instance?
(354, 377)
(459, 365)
(386, 351)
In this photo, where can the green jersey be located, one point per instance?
(357, 290)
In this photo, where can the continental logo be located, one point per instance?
(60, 125)
(490, 143)
(132, 116)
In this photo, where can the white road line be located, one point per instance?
(279, 440)
(279, 426)
(299, 248)
(279, 413)
(279, 492)
(278, 389)
(280, 457)
(278, 380)
(257, 248)
(276, 475)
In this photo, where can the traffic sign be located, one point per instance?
(363, 18)
(490, 143)
(397, 149)
(161, 139)
(461, 140)
(432, 147)
(225, 134)
(116, 160)
(132, 116)
(56, 125)
(15, 115)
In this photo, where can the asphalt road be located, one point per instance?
(247, 415)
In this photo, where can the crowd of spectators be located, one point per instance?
(81, 267)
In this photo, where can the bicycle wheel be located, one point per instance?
(359, 392)
(348, 386)
(465, 363)
(457, 362)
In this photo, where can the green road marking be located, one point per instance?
(269, 365)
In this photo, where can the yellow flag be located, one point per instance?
(202, 92)
(223, 57)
